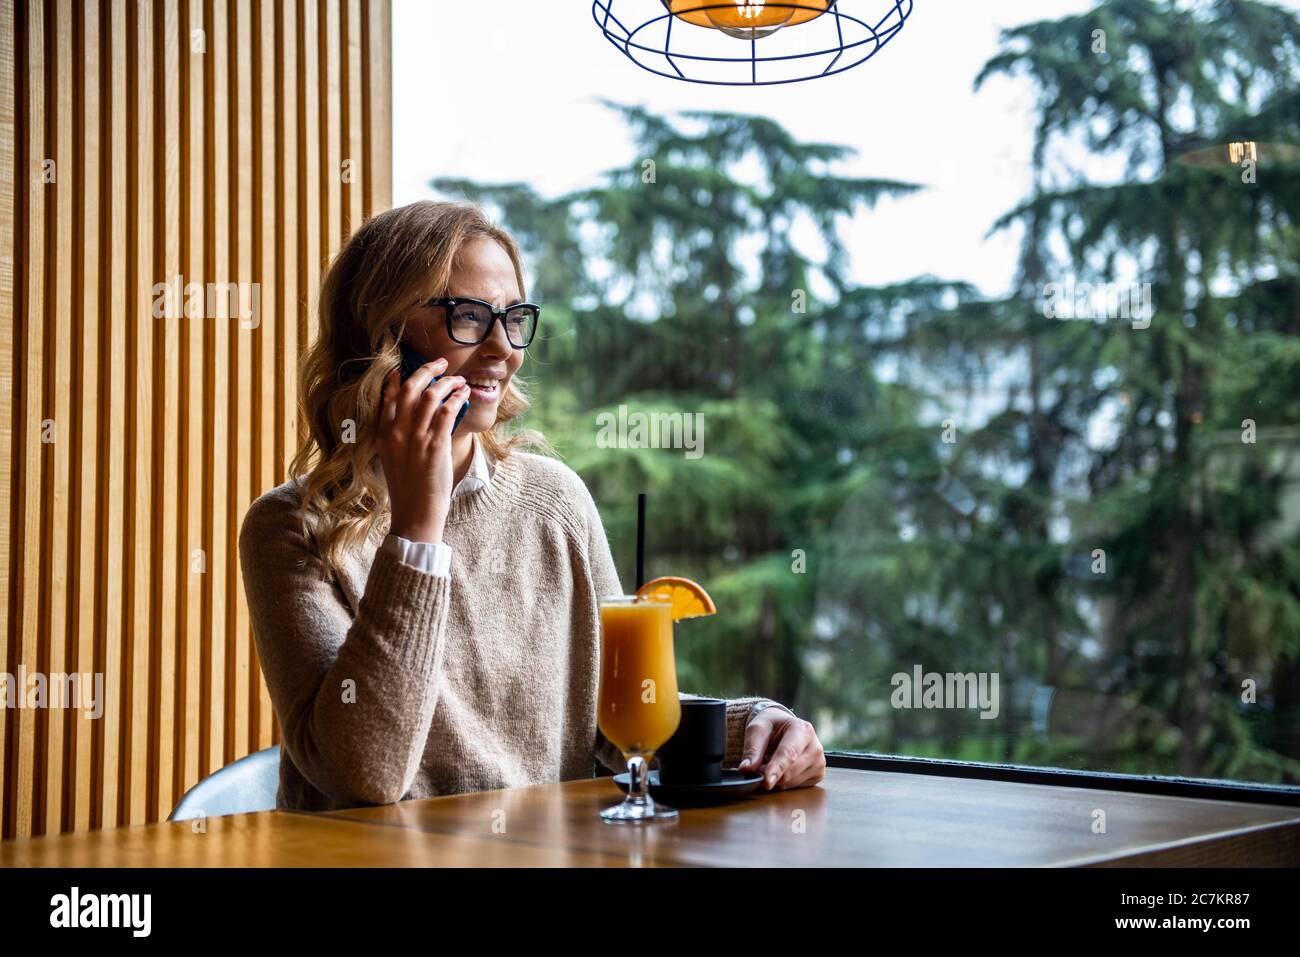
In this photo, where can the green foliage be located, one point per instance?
(1098, 532)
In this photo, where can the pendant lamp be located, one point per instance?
(749, 42)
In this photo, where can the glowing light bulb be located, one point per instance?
(1239, 151)
(749, 19)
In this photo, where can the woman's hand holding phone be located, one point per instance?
(414, 445)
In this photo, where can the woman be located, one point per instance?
(425, 603)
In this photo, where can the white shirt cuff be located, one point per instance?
(433, 557)
(764, 705)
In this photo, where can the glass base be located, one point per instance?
(638, 806)
(634, 811)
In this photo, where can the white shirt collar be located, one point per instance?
(479, 474)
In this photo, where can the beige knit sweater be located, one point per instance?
(392, 683)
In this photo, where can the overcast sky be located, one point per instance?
(507, 90)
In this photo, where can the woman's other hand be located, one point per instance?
(797, 759)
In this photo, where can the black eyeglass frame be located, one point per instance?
(449, 305)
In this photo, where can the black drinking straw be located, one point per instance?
(640, 539)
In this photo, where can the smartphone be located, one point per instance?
(412, 360)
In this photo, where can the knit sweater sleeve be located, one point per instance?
(605, 578)
(355, 696)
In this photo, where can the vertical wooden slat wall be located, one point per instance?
(142, 143)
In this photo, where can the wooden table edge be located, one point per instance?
(616, 859)
(1232, 844)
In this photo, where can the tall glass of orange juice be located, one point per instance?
(639, 707)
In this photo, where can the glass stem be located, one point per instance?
(638, 788)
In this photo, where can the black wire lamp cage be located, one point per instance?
(749, 42)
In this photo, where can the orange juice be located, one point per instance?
(639, 708)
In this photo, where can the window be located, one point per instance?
(967, 383)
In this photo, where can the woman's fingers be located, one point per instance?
(808, 769)
(800, 761)
(431, 401)
(445, 417)
(788, 753)
(758, 742)
(413, 388)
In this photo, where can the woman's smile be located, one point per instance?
(485, 385)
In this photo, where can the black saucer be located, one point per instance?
(734, 784)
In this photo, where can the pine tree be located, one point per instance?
(1103, 510)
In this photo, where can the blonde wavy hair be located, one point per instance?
(394, 261)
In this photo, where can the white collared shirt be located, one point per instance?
(479, 474)
(435, 557)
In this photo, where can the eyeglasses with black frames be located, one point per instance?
(470, 321)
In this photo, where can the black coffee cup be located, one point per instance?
(693, 755)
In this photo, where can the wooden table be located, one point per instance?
(854, 818)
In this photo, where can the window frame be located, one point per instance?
(1206, 789)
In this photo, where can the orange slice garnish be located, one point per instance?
(689, 598)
